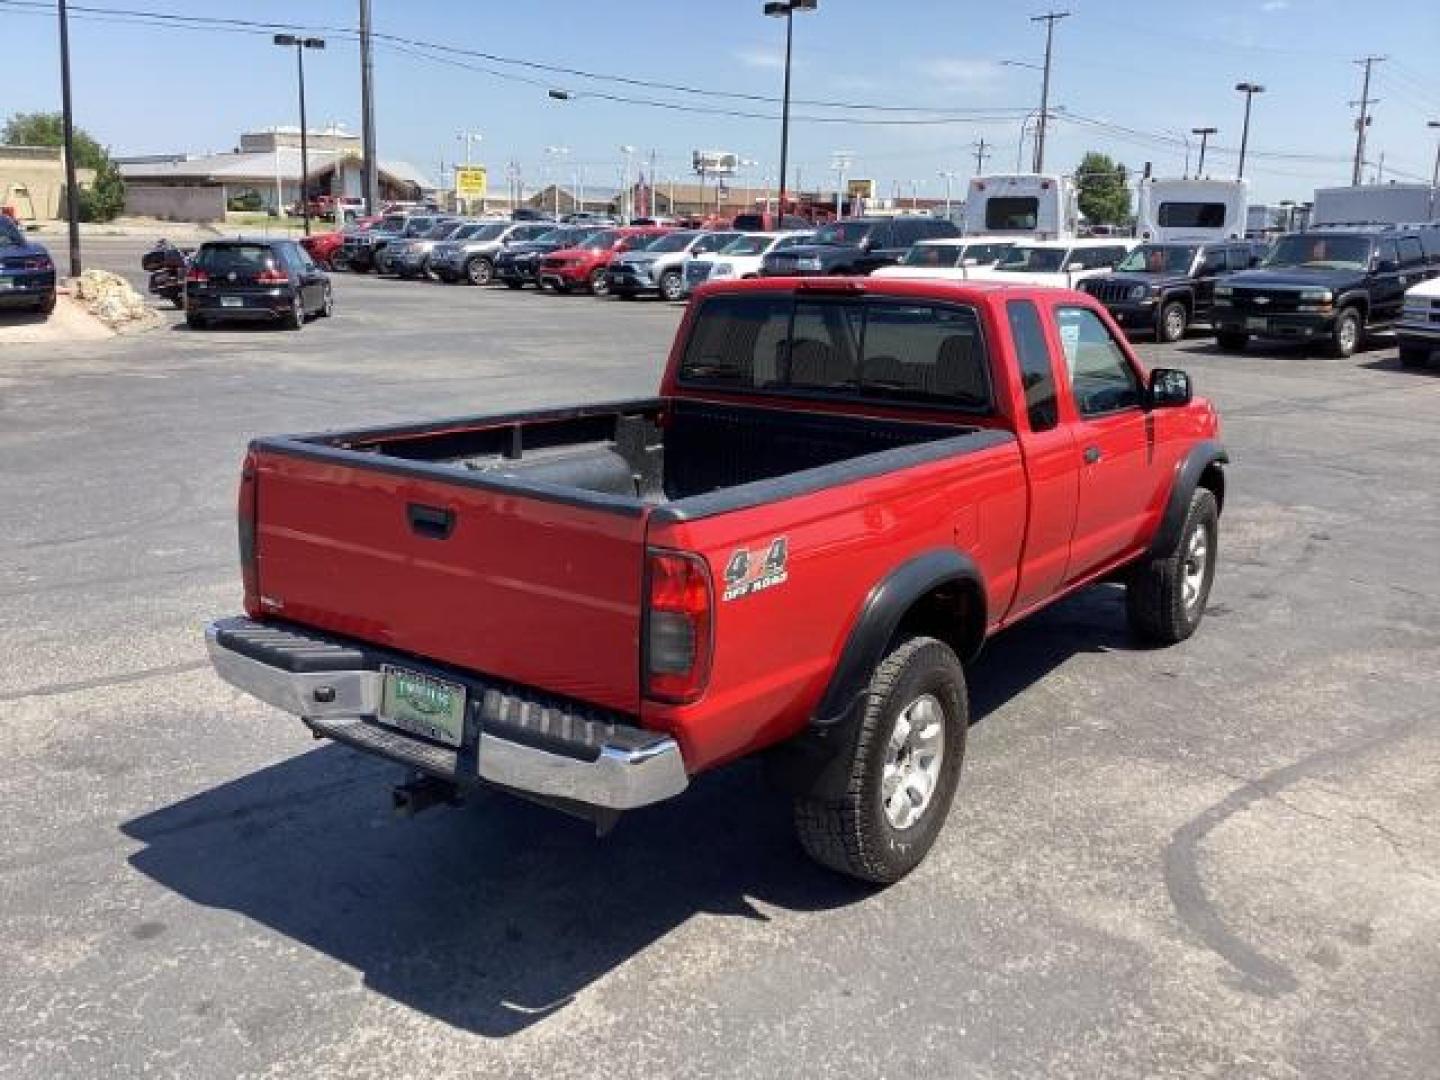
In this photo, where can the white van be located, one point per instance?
(1058, 263)
(1191, 209)
(1022, 205)
(951, 258)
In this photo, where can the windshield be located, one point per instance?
(640, 241)
(843, 232)
(10, 232)
(746, 245)
(393, 223)
(675, 241)
(418, 226)
(932, 255)
(1034, 260)
(1159, 259)
(439, 232)
(600, 238)
(1315, 251)
(491, 230)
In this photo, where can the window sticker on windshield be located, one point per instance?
(752, 571)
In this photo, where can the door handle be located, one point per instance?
(431, 522)
(1092, 455)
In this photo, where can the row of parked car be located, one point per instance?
(1324, 286)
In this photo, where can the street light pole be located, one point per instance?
(947, 175)
(1435, 174)
(1049, 19)
(555, 173)
(1204, 133)
(300, 45)
(371, 180)
(1249, 89)
(786, 9)
(72, 188)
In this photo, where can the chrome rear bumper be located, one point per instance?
(627, 767)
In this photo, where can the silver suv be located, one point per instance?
(472, 258)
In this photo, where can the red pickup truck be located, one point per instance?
(844, 487)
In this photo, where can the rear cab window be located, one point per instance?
(881, 350)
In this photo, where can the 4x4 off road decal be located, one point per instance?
(753, 571)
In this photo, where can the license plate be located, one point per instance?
(7, 283)
(423, 706)
(1257, 324)
(232, 301)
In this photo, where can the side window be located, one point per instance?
(1112, 257)
(1411, 254)
(1214, 261)
(1037, 376)
(302, 256)
(1101, 377)
(1386, 255)
(882, 236)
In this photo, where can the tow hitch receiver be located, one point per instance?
(421, 792)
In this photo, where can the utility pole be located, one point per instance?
(72, 189)
(1363, 123)
(371, 180)
(982, 151)
(1049, 19)
(1204, 133)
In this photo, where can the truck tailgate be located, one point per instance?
(533, 590)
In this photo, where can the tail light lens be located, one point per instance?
(196, 276)
(679, 626)
(272, 276)
(246, 513)
(39, 262)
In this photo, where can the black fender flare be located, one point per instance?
(815, 762)
(1360, 298)
(1187, 478)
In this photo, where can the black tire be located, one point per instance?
(294, 319)
(599, 282)
(1232, 340)
(194, 321)
(672, 285)
(327, 306)
(515, 284)
(625, 294)
(1347, 333)
(479, 271)
(1412, 357)
(1173, 321)
(446, 276)
(1157, 601)
(854, 834)
(47, 306)
(360, 268)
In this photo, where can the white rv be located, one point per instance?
(1376, 204)
(1024, 206)
(1169, 209)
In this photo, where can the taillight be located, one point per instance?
(246, 512)
(271, 276)
(38, 262)
(679, 619)
(196, 276)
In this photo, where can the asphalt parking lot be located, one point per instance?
(1221, 859)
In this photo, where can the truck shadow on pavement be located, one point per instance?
(493, 917)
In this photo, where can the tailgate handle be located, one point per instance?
(431, 522)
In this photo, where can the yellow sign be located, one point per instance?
(471, 181)
(860, 189)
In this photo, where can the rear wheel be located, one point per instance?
(1165, 595)
(46, 306)
(903, 770)
(1232, 340)
(194, 321)
(1347, 333)
(327, 306)
(294, 319)
(515, 284)
(672, 286)
(599, 282)
(1174, 321)
(479, 271)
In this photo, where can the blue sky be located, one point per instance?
(1150, 67)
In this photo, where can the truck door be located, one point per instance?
(1120, 475)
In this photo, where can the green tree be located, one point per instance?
(1104, 195)
(105, 197)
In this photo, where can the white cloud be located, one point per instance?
(1274, 5)
(976, 76)
(761, 56)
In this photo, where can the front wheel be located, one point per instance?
(479, 271)
(600, 283)
(1165, 595)
(903, 770)
(1232, 340)
(1174, 320)
(672, 286)
(1347, 333)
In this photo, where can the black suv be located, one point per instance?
(1326, 285)
(268, 280)
(855, 246)
(1167, 286)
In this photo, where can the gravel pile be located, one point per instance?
(110, 298)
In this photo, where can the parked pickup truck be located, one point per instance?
(842, 490)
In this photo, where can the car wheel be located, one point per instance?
(46, 306)
(479, 271)
(1347, 334)
(1232, 340)
(1165, 595)
(515, 284)
(1174, 321)
(1412, 357)
(672, 285)
(446, 276)
(599, 282)
(327, 307)
(179, 301)
(560, 287)
(903, 770)
(339, 262)
(294, 319)
(194, 321)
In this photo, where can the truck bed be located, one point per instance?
(514, 545)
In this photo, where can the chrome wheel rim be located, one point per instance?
(912, 761)
(1197, 559)
(670, 286)
(1347, 334)
(598, 283)
(1174, 324)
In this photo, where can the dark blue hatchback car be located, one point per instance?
(27, 273)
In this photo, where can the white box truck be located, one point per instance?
(1022, 205)
(1376, 204)
(1170, 209)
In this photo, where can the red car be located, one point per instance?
(324, 247)
(584, 267)
(842, 489)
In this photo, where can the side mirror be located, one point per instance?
(969, 262)
(1386, 266)
(1169, 388)
(1074, 267)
